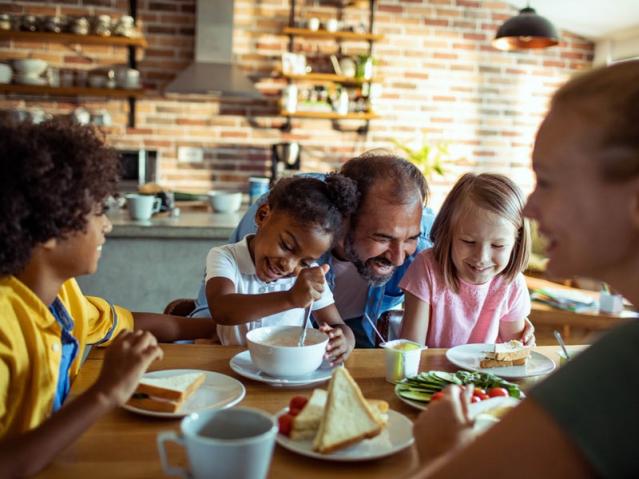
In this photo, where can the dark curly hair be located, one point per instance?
(51, 177)
(311, 201)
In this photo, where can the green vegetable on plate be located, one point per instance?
(424, 385)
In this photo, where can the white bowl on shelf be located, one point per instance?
(30, 67)
(225, 201)
(5, 73)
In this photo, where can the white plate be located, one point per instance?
(242, 364)
(218, 391)
(467, 356)
(397, 435)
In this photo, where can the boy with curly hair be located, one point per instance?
(54, 180)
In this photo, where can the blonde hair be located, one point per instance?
(491, 192)
(608, 99)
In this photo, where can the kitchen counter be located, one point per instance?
(189, 224)
(146, 264)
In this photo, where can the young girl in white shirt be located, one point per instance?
(270, 277)
(469, 288)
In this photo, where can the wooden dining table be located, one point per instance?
(123, 444)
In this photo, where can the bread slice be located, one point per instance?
(509, 351)
(347, 416)
(306, 423)
(495, 363)
(166, 394)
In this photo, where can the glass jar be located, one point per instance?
(29, 23)
(53, 24)
(102, 26)
(80, 26)
(5, 21)
(125, 26)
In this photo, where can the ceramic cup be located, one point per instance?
(142, 207)
(232, 443)
(313, 23)
(258, 185)
(402, 359)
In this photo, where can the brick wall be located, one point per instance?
(440, 78)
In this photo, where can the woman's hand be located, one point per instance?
(125, 360)
(308, 287)
(445, 425)
(338, 348)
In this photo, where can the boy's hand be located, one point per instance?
(125, 360)
(309, 286)
(337, 349)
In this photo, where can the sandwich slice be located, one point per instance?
(347, 417)
(512, 353)
(165, 394)
(307, 422)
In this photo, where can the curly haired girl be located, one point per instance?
(270, 277)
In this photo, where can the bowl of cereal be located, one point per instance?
(274, 350)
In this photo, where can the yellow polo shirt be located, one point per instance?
(31, 348)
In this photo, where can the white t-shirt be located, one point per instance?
(233, 261)
(351, 290)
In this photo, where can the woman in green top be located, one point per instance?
(582, 420)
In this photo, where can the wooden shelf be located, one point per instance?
(350, 36)
(328, 77)
(71, 38)
(329, 115)
(71, 91)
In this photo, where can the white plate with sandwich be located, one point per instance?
(242, 364)
(175, 393)
(496, 359)
(341, 425)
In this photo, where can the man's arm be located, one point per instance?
(167, 328)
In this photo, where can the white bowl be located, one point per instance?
(225, 202)
(5, 73)
(286, 361)
(30, 66)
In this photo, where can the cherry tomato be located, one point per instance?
(483, 396)
(478, 391)
(494, 392)
(285, 423)
(297, 402)
(475, 399)
(437, 395)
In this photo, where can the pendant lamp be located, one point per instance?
(526, 30)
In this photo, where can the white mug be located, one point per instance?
(313, 23)
(142, 207)
(232, 443)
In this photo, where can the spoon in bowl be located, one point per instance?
(560, 340)
(307, 315)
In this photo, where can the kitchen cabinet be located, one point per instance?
(132, 43)
(332, 81)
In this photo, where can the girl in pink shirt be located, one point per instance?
(469, 288)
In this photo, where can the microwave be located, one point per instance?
(137, 167)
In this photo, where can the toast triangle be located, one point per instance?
(347, 416)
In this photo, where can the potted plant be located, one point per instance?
(429, 158)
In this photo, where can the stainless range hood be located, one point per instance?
(213, 71)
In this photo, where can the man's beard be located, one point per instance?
(364, 267)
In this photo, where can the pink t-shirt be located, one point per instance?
(470, 316)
